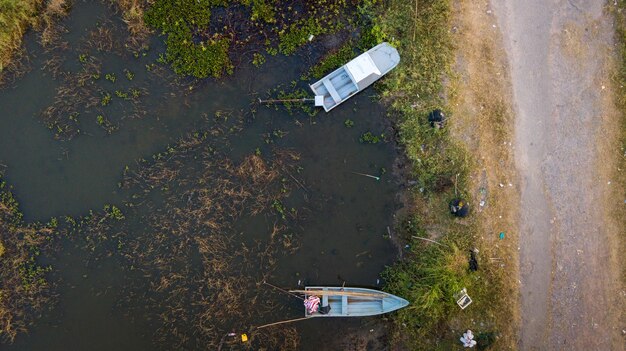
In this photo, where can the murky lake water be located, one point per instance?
(340, 234)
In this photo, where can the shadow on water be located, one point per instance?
(344, 216)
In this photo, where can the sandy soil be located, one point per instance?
(559, 54)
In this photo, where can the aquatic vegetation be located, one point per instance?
(331, 61)
(107, 125)
(113, 212)
(83, 91)
(202, 56)
(290, 93)
(106, 99)
(370, 138)
(193, 261)
(258, 59)
(280, 209)
(262, 10)
(110, 77)
(129, 75)
(121, 94)
(135, 93)
(202, 46)
(348, 123)
(133, 15)
(24, 289)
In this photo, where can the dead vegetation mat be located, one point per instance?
(201, 274)
(25, 293)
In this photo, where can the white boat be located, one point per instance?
(351, 302)
(355, 76)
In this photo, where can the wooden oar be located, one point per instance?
(338, 293)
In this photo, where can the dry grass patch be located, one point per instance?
(16, 16)
(482, 109)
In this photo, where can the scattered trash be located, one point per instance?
(462, 299)
(244, 337)
(468, 339)
(311, 36)
(437, 119)
(473, 262)
(459, 207)
(501, 235)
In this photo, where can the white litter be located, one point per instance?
(468, 339)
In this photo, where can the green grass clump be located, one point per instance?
(429, 275)
(429, 279)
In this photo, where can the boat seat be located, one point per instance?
(325, 299)
(344, 305)
(331, 89)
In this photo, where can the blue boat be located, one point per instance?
(351, 302)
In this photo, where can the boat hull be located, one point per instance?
(354, 302)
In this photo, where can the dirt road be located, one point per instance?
(558, 54)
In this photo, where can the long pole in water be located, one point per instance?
(273, 101)
(366, 175)
(283, 290)
(281, 322)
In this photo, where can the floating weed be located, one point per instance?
(113, 212)
(129, 75)
(82, 58)
(110, 77)
(369, 138)
(135, 93)
(199, 46)
(121, 94)
(258, 59)
(188, 252)
(348, 123)
(106, 99)
(331, 61)
(24, 288)
(105, 124)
